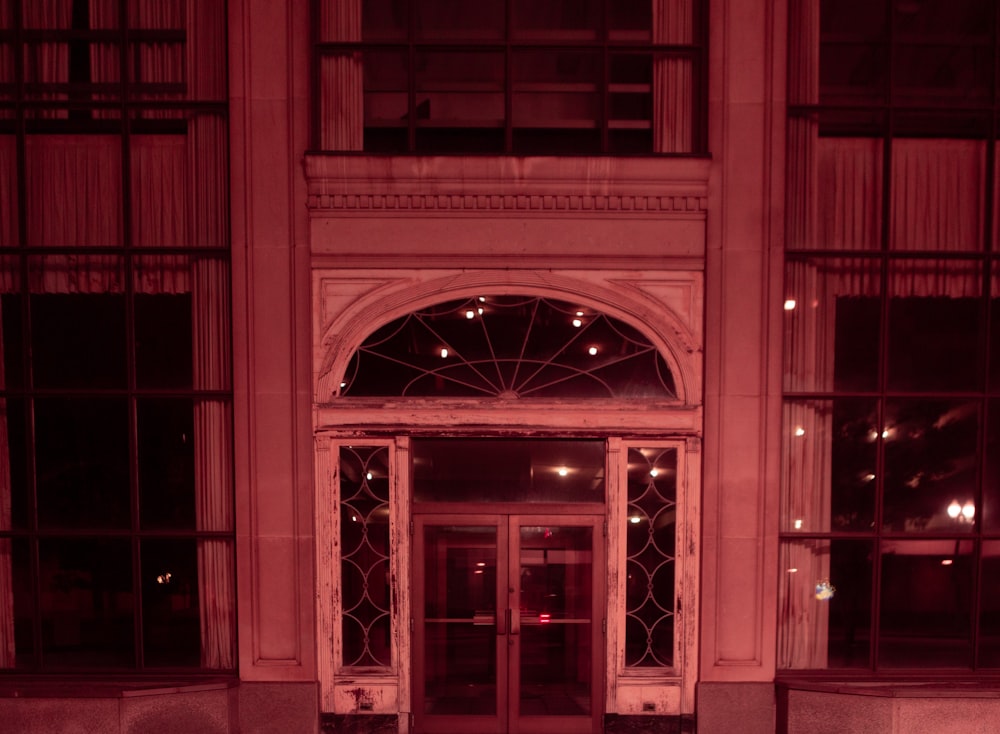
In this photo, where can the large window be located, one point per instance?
(509, 76)
(116, 504)
(890, 521)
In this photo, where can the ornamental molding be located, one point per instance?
(498, 202)
(667, 187)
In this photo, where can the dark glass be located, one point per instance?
(989, 606)
(825, 604)
(13, 340)
(17, 457)
(856, 339)
(994, 335)
(930, 464)
(166, 443)
(386, 84)
(507, 470)
(171, 628)
(935, 343)
(81, 462)
(24, 601)
(852, 73)
(455, 19)
(163, 341)
(630, 19)
(460, 620)
(990, 515)
(557, 18)
(78, 341)
(86, 613)
(949, 75)
(381, 19)
(926, 603)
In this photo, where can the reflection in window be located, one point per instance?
(887, 406)
(508, 347)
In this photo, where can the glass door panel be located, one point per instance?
(505, 624)
(556, 620)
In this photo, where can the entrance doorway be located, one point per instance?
(508, 628)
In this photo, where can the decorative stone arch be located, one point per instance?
(664, 307)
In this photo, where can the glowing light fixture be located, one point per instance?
(577, 323)
(592, 351)
(790, 304)
(800, 431)
(444, 353)
(470, 314)
(654, 472)
(563, 471)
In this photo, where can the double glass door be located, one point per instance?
(508, 623)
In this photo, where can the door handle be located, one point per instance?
(515, 621)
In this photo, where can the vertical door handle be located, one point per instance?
(515, 621)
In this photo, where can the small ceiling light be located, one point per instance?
(577, 323)
(563, 471)
(797, 524)
(343, 385)
(480, 310)
(792, 570)
(947, 562)
(369, 476)
(444, 353)
(635, 519)
(470, 314)
(654, 472)
(592, 351)
(482, 299)
(790, 304)
(800, 431)
(954, 509)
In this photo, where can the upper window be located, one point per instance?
(509, 76)
(508, 347)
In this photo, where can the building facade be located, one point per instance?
(434, 366)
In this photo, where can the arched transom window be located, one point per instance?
(508, 347)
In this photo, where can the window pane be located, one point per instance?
(651, 537)
(508, 470)
(457, 19)
(171, 631)
(831, 325)
(78, 340)
(365, 549)
(24, 605)
(166, 443)
(829, 465)
(13, 340)
(989, 606)
(926, 603)
(935, 317)
(930, 465)
(87, 611)
(556, 18)
(937, 198)
(16, 450)
(163, 340)
(380, 19)
(990, 516)
(82, 452)
(824, 603)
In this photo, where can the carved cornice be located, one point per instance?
(665, 187)
(498, 202)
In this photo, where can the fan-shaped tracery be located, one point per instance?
(508, 346)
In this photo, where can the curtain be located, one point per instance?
(341, 79)
(673, 78)
(48, 62)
